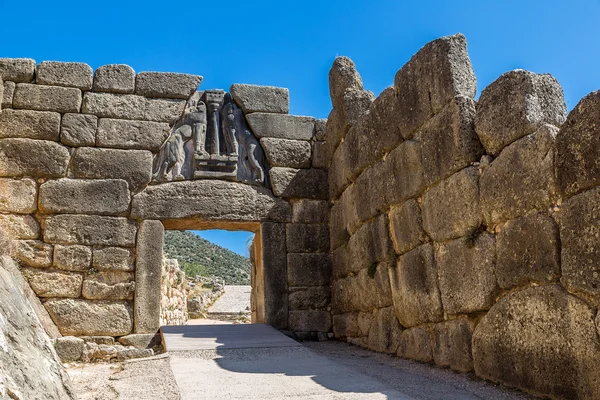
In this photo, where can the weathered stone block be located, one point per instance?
(269, 99)
(18, 196)
(134, 166)
(528, 250)
(30, 124)
(7, 95)
(452, 344)
(94, 290)
(166, 84)
(141, 135)
(385, 332)
(141, 340)
(287, 153)
(274, 260)
(320, 155)
(210, 200)
(114, 78)
(307, 238)
(78, 130)
(320, 125)
(310, 211)
(69, 348)
(72, 258)
(507, 191)
(310, 321)
(415, 289)
(47, 98)
(17, 69)
(515, 105)
(440, 71)
(19, 226)
(110, 277)
(148, 272)
(539, 339)
(335, 130)
(466, 273)
(308, 269)
(34, 158)
(406, 226)
(33, 253)
(75, 196)
(346, 325)
(343, 77)
(53, 283)
(365, 291)
(72, 74)
(113, 259)
(96, 318)
(309, 298)
(451, 209)
(339, 170)
(344, 219)
(281, 126)
(128, 106)
(90, 230)
(299, 183)
(416, 344)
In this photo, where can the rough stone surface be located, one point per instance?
(310, 211)
(521, 179)
(47, 98)
(343, 77)
(268, 99)
(310, 321)
(51, 283)
(33, 253)
(308, 269)
(385, 332)
(141, 340)
(166, 84)
(287, 153)
(79, 196)
(307, 238)
(320, 155)
(416, 344)
(72, 258)
(343, 217)
(113, 259)
(114, 78)
(7, 96)
(17, 69)
(78, 317)
(451, 209)
(299, 183)
(69, 348)
(95, 290)
(18, 196)
(148, 276)
(452, 344)
(528, 250)
(19, 226)
(72, 74)
(78, 130)
(466, 273)
(34, 158)
(141, 135)
(542, 340)
(282, 126)
(275, 274)
(209, 200)
(515, 105)
(415, 289)
(30, 124)
(440, 71)
(406, 226)
(346, 325)
(134, 166)
(90, 230)
(364, 291)
(128, 106)
(309, 298)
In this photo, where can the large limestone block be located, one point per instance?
(90, 230)
(34, 158)
(33, 253)
(209, 200)
(515, 105)
(94, 290)
(452, 344)
(528, 250)
(166, 84)
(253, 98)
(335, 130)
(30, 124)
(440, 71)
(339, 170)
(134, 166)
(149, 253)
(416, 344)
(69, 348)
(307, 238)
(8, 93)
(78, 130)
(385, 332)
(310, 211)
(305, 298)
(342, 78)
(18, 196)
(521, 179)
(129, 106)
(580, 243)
(141, 135)
(406, 226)
(275, 276)
(72, 74)
(466, 273)
(114, 78)
(310, 321)
(542, 340)
(451, 209)
(415, 289)
(287, 152)
(79, 196)
(19, 226)
(92, 318)
(343, 218)
(308, 269)
(47, 98)
(320, 155)
(17, 69)
(346, 325)
(448, 141)
(578, 148)
(299, 183)
(72, 258)
(365, 291)
(53, 283)
(113, 259)
(282, 126)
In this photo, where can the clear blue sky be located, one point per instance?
(293, 43)
(236, 241)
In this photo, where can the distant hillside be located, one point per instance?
(198, 256)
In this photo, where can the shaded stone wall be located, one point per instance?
(465, 233)
(173, 304)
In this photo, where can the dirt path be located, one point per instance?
(235, 300)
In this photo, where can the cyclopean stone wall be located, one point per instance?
(79, 193)
(466, 233)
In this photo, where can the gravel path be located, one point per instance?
(235, 300)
